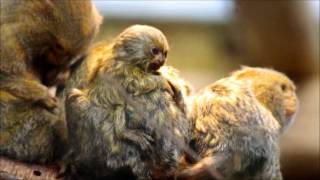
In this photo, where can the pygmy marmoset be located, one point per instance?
(124, 112)
(237, 123)
(40, 39)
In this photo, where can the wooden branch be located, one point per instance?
(13, 170)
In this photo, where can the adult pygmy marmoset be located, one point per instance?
(237, 122)
(40, 39)
(124, 112)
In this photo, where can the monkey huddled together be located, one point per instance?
(237, 124)
(39, 42)
(138, 120)
(122, 111)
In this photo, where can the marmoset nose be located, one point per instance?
(157, 63)
(162, 60)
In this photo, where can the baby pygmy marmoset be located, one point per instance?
(237, 122)
(124, 113)
(40, 39)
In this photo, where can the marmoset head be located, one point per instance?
(274, 90)
(72, 35)
(61, 31)
(143, 46)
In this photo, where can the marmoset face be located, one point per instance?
(143, 46)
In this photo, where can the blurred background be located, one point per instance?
(209, 39)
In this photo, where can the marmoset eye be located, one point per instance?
(283, 87)
(155, 51)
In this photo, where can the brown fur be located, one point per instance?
(125, 105)
(237, 124)
(40, 39)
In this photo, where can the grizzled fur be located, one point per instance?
(39, 41)
(236, 131)
(124, 113)
(27, 137)
(274, 90)
(237, 122)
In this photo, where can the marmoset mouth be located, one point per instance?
(155, 65)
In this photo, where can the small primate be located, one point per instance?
(40, 40)
(237, 124)
(123, 112)
(275, 91)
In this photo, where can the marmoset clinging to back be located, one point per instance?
(40, 39)
(237, 122)
(125, 113)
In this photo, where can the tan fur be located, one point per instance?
(40, 39)
(237, 124)
(125, 105)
